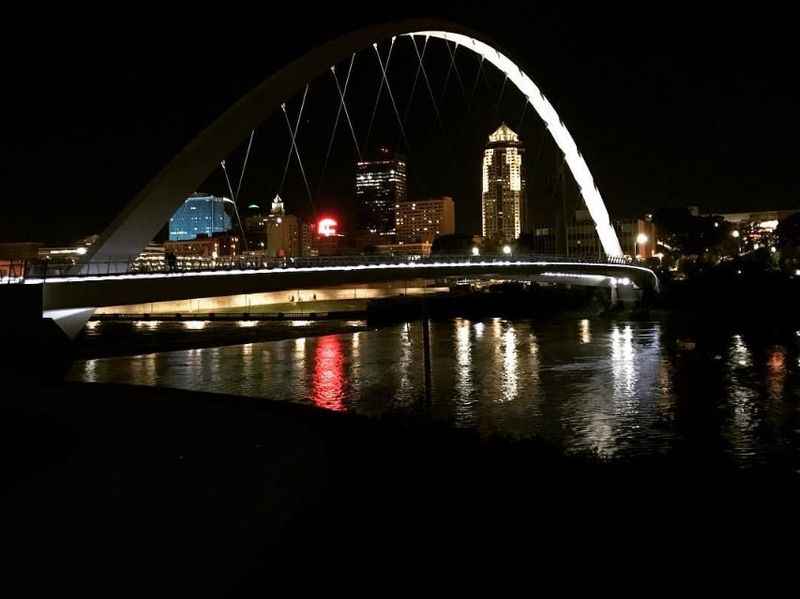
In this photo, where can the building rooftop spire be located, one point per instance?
(503, 133)
(277, 206)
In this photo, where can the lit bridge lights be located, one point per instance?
(418, 267)
(562, 137)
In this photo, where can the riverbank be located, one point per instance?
(193, 492)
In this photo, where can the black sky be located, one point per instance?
(671, 104)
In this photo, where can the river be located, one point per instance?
(615, 389)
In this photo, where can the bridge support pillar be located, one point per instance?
(34, 350)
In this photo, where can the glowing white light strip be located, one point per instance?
(577, 165)
(333, 269)
(577, 276)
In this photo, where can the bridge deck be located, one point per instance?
(68, 292)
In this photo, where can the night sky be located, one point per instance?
(671, 105)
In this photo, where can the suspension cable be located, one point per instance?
(297, 152)
(428, 82)
(380, 90)
(475, 85)
(343, 105)
(391, 95)
(524, 112)
(228, 180)
(233, 198)
(244, 165)
(454, 66)
(447, 76)
(293, 134)
(336, 121)
(416, 78)
(500, 97)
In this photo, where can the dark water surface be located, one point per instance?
(617, 389)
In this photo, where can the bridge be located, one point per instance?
(143, 217)
(71, 298)
(105, 277)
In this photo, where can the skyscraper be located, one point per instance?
(201, 213)
(504, 210)
(380, 186)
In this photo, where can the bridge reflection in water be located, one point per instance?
(616, 389)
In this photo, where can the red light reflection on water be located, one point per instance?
(328, 379)
(776, 375)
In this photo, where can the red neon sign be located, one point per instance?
(327, 227)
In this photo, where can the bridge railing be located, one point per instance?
(44, 270)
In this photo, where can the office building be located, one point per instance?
(282, 231)
(503, 206)
(200, 214)
(424, 220)
(380, 186)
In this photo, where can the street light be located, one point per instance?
(507, 250)
(476, 251)
(735, 234)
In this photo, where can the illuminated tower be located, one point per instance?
(283, 231)
(380, 186)
(503, 201)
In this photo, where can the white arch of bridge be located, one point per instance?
(137, 224)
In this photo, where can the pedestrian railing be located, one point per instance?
(42, 270)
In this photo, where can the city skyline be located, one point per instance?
(690, 106)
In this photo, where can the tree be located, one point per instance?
(788, 231)
(788, 240)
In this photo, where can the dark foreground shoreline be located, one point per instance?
(151, 488)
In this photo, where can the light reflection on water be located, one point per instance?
(586, 331)
(328, 384)
(610, 388)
